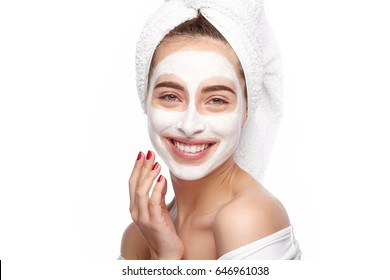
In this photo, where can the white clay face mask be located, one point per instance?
(194, 143)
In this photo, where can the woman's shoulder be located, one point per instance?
(133, 246)
(252, 214)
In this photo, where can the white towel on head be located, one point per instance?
(243, 24)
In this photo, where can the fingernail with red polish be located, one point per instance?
(149, 155)
(160, 178)
(139, 156)
(155, 166)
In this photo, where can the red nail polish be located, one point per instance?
(155, 166)
(139, 156)
(149, 155)
(160, 178)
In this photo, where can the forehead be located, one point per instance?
(198, 43)
(195, 66)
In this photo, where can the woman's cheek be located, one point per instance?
(161, 120)
(160, 123)
(226, 125)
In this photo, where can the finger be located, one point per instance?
(134, 177)
(163, 193)
(157, 199)
(147, 166)
(143, 188)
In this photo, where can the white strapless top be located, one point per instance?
(280, 245)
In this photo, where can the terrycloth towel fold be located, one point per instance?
(243, 24)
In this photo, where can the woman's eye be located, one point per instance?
(217, 101)
(169, 98)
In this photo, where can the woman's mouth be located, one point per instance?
(190, 149)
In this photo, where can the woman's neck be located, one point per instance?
(207, 194)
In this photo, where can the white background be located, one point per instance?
(71, 126)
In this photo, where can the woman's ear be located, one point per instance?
(245, 117)
(243, 85)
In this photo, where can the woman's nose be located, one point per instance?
(191, 123)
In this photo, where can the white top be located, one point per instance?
(280, 245)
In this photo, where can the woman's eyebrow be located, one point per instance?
(217, 88)
(169, 85)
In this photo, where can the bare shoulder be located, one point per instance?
(133, 245)
(252, 214)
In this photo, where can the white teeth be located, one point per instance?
(190, 148)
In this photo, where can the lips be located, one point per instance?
(190, 149)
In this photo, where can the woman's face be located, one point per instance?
(195, 105)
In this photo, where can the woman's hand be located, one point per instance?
(150, 214)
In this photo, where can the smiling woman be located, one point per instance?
(200, 92)
(199, 123)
